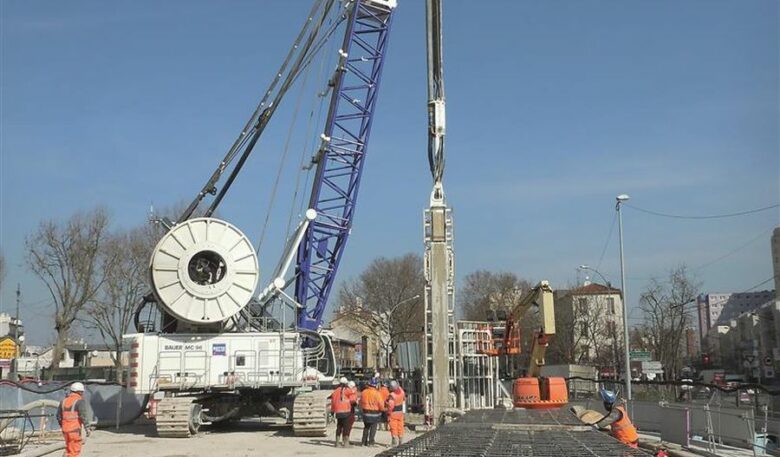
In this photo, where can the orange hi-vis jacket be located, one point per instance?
(70, 419)
(395, 403)
(371, 401)
(385, 393)
(341, 401)
(623, 429)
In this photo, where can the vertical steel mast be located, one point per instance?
(438, 237)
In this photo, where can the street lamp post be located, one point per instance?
(620, 199)
(588, 267)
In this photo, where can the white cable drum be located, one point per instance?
(204, 270)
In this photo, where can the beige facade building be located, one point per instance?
(589, 323)
(361, 347)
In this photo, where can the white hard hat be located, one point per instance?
(351, 384)
(77, 387)
(343, 380)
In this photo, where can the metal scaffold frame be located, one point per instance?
(476, 371)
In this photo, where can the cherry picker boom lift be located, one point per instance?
(532, 390)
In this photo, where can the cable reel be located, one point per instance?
(204, 271)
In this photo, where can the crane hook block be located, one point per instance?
(204, 270)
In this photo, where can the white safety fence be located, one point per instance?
(681, 423)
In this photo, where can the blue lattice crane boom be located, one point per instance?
(340, 160)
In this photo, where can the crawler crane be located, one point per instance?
(215, 353)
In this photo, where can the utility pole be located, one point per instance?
(620, 199)
(438, 230)
(16, 326)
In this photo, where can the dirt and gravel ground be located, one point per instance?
(247, 438)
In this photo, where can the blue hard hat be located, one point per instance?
(607, 396)
(373, 382)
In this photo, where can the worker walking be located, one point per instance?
(385, 393)
(342, 402)
(395, 412)
(621, 427)
(372, 406)
(353, 390)
(72, 414)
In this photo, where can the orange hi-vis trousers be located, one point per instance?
(72, 443)
(396, 424)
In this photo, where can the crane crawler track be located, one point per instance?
(310, 413)
(177, 417)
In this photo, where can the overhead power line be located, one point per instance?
(711, 216)
(759, 285)
(734, 251)
(606, 243)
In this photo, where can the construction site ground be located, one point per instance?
(246, 438)
(252, 438)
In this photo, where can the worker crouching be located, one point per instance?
(72, 414)
(342, 405)
(395, 412)
(372, 407)
(621, 426)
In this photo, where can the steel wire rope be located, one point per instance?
(265, 116)
(283, 160)
(248, 142)
(323, 95)
(319, 98)
(251, 124)
(713, 216)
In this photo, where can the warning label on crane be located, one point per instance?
(218, 349)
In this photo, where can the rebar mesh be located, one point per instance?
(479, 434)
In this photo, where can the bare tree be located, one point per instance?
(110, 312)
(664, 305)
(386, 302)
(67, 258)
(488, 295)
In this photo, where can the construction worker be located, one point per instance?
(372, 406)
(395, 412)
(342, 402)
(621, 427)
(351, 422)
(385, 393)
(72, 414)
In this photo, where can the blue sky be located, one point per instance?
(554, 108)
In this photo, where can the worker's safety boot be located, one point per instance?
(393, 442)
(346, 442)
(338, 442)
